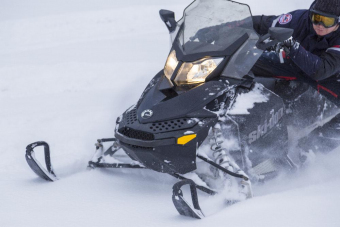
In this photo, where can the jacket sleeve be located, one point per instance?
(263, 23)
(317, 67)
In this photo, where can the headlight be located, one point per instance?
(196, 72)
(171, 64)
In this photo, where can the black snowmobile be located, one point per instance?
(203, 119)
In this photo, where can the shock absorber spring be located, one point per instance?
(219, 153)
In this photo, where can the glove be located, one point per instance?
(276, 48)
(283, 49)
(285, 45)
(288, 44)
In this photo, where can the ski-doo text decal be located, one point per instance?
(267, 126)
(285, 18)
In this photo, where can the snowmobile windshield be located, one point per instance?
(213, 26)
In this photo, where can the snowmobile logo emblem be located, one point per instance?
(147, 114)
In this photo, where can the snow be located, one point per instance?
(188, 132)
(68, 70)
(246, 101)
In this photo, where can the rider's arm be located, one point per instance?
(263, 23)
(317, 67)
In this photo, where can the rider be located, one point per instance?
(311, 55)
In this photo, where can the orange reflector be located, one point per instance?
(185, 139)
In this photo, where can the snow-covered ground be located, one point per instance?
(68, 69)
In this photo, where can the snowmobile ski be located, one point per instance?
(45, 173)
(185, 208)
(182, 206)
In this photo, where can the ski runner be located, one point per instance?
(311, 55)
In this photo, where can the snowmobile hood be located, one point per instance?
(156, 106)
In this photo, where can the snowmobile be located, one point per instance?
(204, 118)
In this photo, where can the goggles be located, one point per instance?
(327, 20)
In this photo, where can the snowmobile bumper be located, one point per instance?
(164, 156)
(163, 151)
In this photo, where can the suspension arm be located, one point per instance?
(222, 169)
